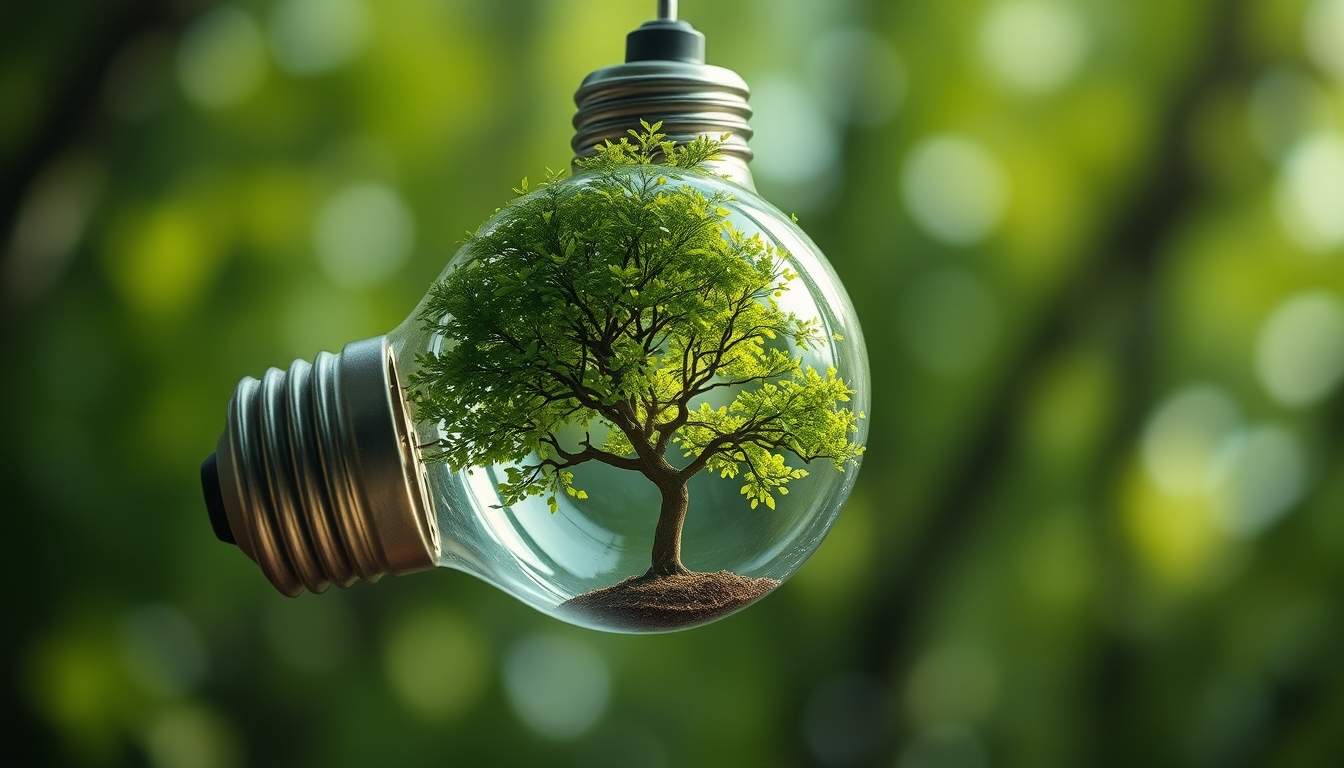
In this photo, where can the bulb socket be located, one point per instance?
(316, 476)
(665, 40)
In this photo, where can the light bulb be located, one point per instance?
(634, 399)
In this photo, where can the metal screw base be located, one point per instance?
(318, 476)
(689, 99)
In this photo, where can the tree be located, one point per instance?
(619, 300)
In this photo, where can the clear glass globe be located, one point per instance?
(733, 550)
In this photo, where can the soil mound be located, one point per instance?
(659, 603)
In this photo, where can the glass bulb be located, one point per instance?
(634, 400)
(606, 530)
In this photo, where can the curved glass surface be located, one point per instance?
(548, 559)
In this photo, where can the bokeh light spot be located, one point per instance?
(309, 37)
(955, 189)
(558, 685)
(163, 258)
(50, 224)
(75, 684)
(1300, 351)
(1035, 46)
(363, 234)
(162, 650)
(795, 145)
(1310, 192)
(945, 747)
(1261, 473)
(1072, 403)
(858, 75)
(951, 684)
(1285, 105)
(1323, 33)
(1174, 536)
(1183, 436)
(948, 321)
(436, 663)
(221, 59)
(192, 737)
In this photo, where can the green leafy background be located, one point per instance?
(1097, 251)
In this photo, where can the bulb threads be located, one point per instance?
(689, 99)
(318, 475)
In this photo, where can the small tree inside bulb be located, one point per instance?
(630, 321)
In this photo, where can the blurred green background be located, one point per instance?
(1097, 247)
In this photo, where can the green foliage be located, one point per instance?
(612, 302)
(652, 147)
(797, 413)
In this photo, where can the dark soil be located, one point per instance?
(659, 603)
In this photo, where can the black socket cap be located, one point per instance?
(665, 40)
(214, 501)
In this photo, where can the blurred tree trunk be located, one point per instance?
(78, 56)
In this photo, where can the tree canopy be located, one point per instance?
(619, 300)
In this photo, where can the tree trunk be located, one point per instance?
(667, 536)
